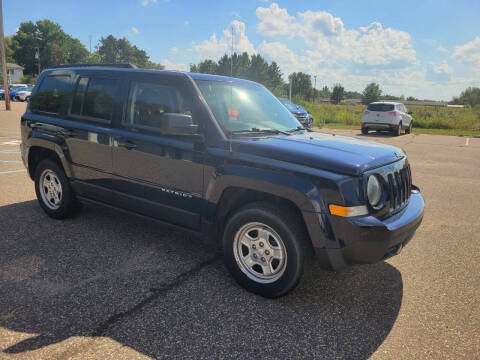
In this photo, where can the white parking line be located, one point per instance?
(11, 161)
(467, 140)
(12, 171)
(12, 142)
(9, 151)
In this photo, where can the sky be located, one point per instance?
(422, 48)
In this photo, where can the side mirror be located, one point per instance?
(410, 113)
(179, 125)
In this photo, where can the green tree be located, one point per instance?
(112, 51)
(353, 95)
(46, 38)
(205, 67)
(338, 94)
(9, 48)
(301, 84)
(371, 93)
(244, 66)
(325, 93)
(470, 96)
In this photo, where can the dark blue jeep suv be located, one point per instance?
(220, 158)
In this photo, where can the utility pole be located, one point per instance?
(4, 60)
(290, 89)
(314, 87)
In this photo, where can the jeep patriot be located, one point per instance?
(220, 158)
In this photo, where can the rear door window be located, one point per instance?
(52, 94)
(94, 98)
(381, 107)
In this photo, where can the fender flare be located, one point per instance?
(50, 142)
(299, 191)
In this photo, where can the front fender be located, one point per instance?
(303, 190)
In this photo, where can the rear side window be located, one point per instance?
(147, 102)
(52, 94)
(380, 107)
(94, 98)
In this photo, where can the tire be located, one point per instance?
(364, 131)
(398, 130)
(409, 129)
(49, 179)
(282, 250)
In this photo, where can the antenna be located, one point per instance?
(231, 97)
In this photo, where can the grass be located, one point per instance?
(452, 132)
(426, 119)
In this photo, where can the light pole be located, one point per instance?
(4, 60)
(314, 86)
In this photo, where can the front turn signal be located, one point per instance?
(348, 211)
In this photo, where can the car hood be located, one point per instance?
(299, 112)
(334, 153)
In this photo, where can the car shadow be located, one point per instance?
(378, 134)
(162, 293)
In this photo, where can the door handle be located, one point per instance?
(67, 132)
(126, 144)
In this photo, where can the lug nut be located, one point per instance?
(263, 259)
(261, 244)
(255, 256)
(267, 252)
(254, 246)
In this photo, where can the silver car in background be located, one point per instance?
(387, 116)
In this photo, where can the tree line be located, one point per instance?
(43, 44)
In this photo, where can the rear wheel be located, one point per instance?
(364, 131)
(398, 130)
(262, 247)
(53, 190)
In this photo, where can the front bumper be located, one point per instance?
(366, 240)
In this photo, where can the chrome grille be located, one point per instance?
(399, 187)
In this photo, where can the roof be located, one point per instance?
(386, 102)
(14, 66)
(116, 67)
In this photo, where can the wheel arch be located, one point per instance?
(39, 149)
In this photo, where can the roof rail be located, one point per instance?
(118, 65)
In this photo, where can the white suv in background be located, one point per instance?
(387, 116)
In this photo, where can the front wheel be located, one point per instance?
(262, 247)
(364, 131)
(409, 129)
(53, 190)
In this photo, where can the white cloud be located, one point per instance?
(442, 68)
(442, 49)
(329, 41)
(148, 2)
(169, 65)
(469, 54)
(214, 47)
(275, 21)
(174, 50)
(134, 30)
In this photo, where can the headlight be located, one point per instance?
(374, 190)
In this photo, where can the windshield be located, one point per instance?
(290, 106)
(245, 106)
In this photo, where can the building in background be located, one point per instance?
(14, 73)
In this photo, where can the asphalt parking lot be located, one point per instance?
(105, 285)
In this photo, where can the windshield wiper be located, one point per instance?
(257, 130)
(300, 127)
